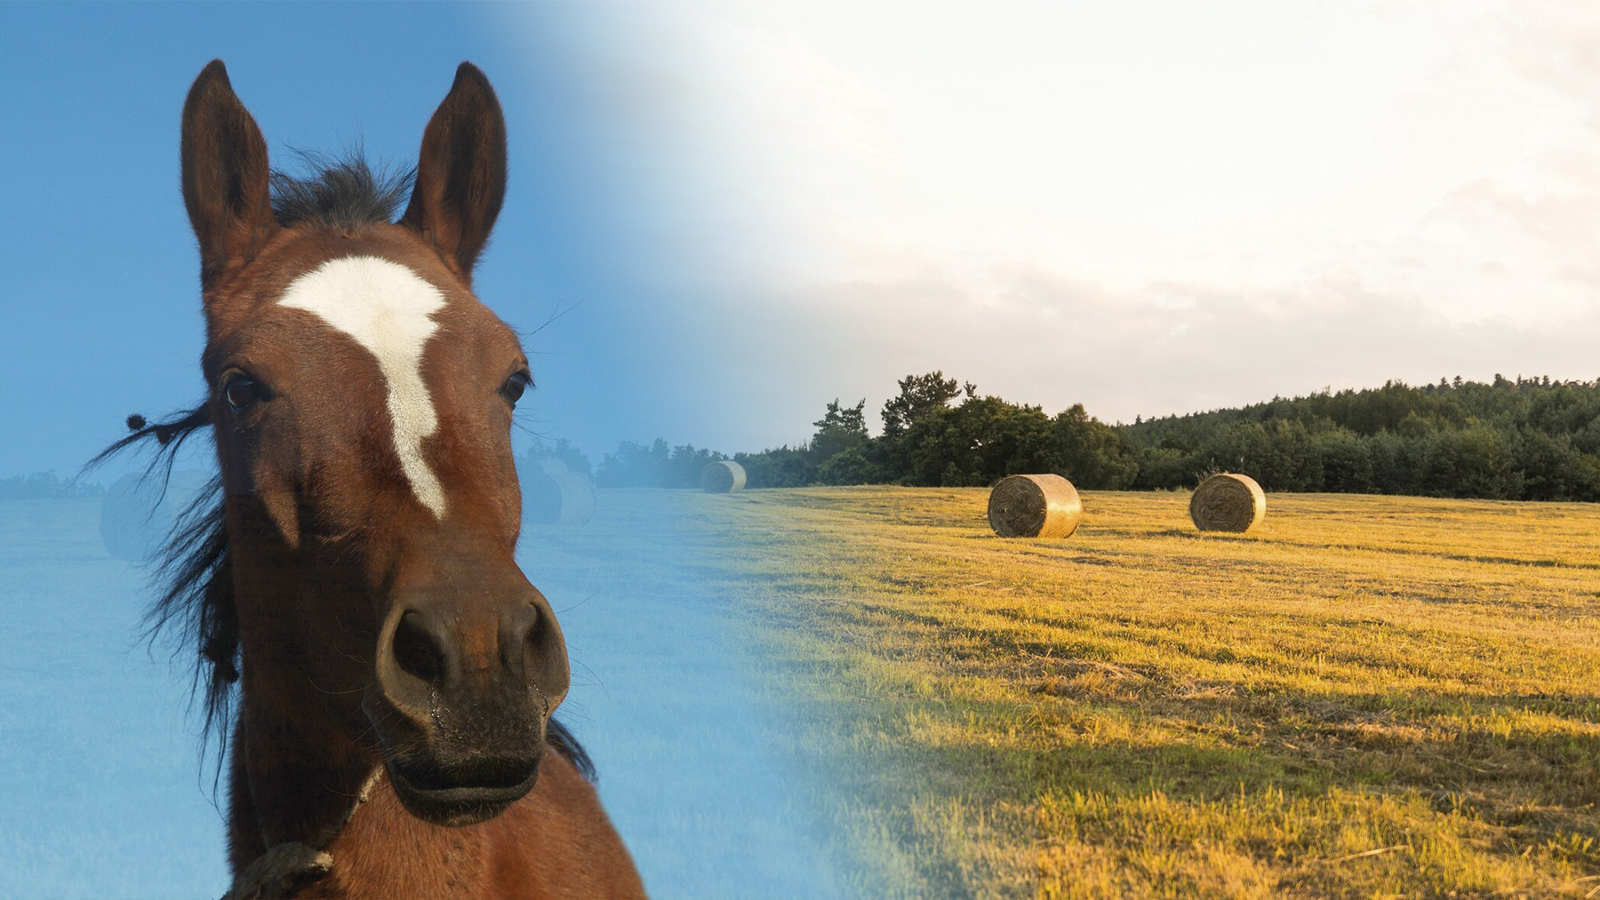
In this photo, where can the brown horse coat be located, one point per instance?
(395, 669)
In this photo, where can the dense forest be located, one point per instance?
(1523, 439)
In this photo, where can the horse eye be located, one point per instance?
(241, 392)
(515, 386)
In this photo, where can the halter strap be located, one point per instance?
(289, 866)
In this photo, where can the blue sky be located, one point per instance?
(102, 289)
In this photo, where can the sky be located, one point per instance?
(102, 293)
(1159, 207)
(726, 214)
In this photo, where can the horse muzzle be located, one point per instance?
(463, 794)
(461, 699)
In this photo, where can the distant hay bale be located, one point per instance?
(552, 494)
(722, 477)
(1042, 506)
(138, 511)
(1228, 502)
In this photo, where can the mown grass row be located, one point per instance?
(1369, 696)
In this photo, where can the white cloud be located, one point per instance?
(1148, 207)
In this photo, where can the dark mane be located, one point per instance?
(342, 193)
(193, 572)
(197, 591)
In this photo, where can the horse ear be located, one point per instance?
(225, 174)
(461, 172)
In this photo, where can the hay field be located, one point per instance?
(1365, 697)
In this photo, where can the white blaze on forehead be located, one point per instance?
(388, 310)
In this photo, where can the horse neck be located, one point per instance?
(298, 767)
(297, 778)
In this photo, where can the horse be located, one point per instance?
(380, 669)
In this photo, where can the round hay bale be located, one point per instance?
(1041, 506)
(724, 477)
(138, 511)
(552, 494)
(1228, 502)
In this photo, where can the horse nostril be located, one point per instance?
(544, 659)
(418, 650)
(528, 624)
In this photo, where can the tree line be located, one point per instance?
(47, 486)
(1509, 439)
(1521, 439)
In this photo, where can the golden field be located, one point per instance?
(1365, 697)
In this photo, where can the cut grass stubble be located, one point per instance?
(1367, 696)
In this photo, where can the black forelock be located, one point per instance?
(344, 193)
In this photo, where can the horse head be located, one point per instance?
(361, 399)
